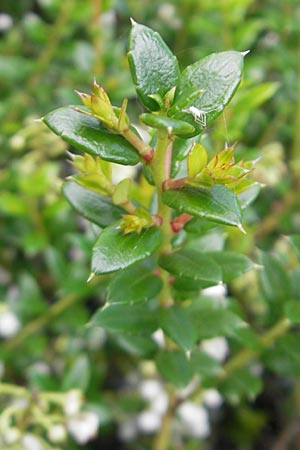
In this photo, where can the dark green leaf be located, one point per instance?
(178, 326)
(173, 126)
(218, 76)
(136, 318)
(87, 134)
(188, 263)
(134, 284)
(284, 356)
(175, 367)
(114, 250)
(78, 376)
(154, 68)
(94, 207)
(218, 204)
(232, 264)
(241, 383)
(274, 280)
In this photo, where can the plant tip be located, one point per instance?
(92, 275)
(133, 22)
(245, 52)
(240, 227)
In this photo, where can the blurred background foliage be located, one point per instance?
(48, 48)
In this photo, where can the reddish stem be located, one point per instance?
(178, 223)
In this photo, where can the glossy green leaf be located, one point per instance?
(94, 207)
(175, 367)
(154, 68)
(218, 204)
(135, 318)
(114, 251)
(173, 126)
(212, 317)
(249, 195)
(188, 263)
(87, 134)
(178, 326)
(232, 264)
(217, 76)
(78, 376)
(274, 280)
(133, 284)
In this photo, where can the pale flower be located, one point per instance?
(194, 419)
(83, 427)
(9, 324)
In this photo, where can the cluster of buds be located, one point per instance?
(95, 173)
(99, 105)
(221, 169)
(138, 221)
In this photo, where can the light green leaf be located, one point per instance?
(178, 326)
(232, 264)
(94, 207)
(218, 204)
(154, 68)
(172, 126)
(114, 251)
(134, 284)
(197, 160)
(295, 242)
(241, 383)
(78, 376)
(175, 367)
(284, 356)
(120, 317)
(249, 195)
(87, 134)
(188, 263)
(204, 364)
(292, 311)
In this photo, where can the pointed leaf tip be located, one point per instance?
(133, 22)
(91, 276)
(240, 227)
(245, 52)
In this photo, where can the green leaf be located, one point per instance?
(114, 250)
(136, 344)
(94, 207)
(173, 126)
(218, 204)
(78, 376)
(284, 356)
(249, 195)
(204, 364)
(241, 383)
(212, 317)
(217, 76)
(175, 367)
(188, 263)
(292, 311)
(154, 68)
(120, 317)
(197, 160)
(295, 242)
(134, 284)
(87, 134)
(178, 326)
(274, 280)
(232, 264)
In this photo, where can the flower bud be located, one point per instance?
(83, 427)
(57, 433)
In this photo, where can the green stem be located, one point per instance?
(145, 150)
(161, 442)
(35, 325)
(12, 389)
